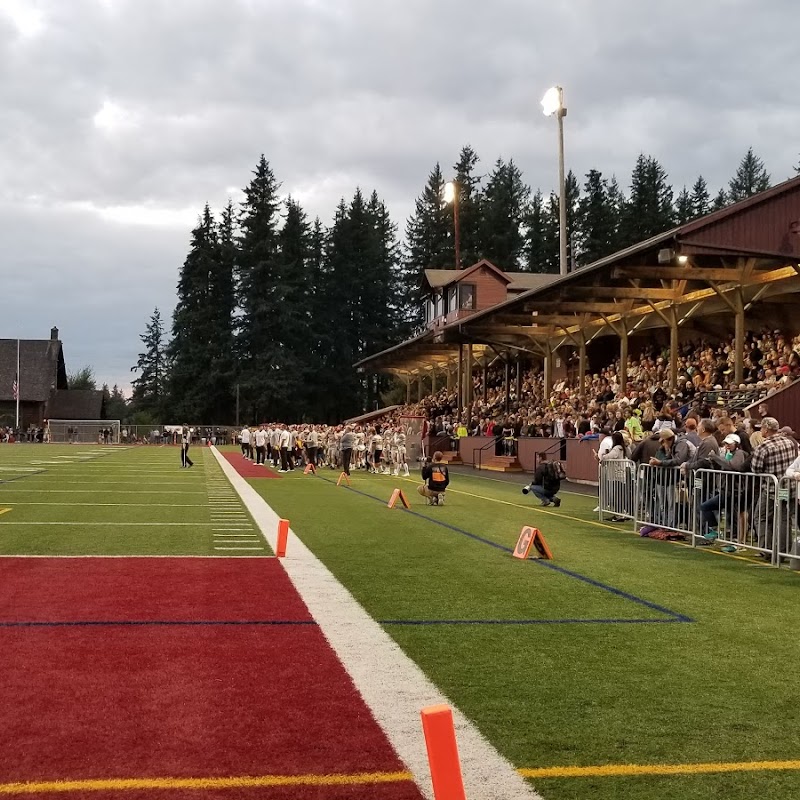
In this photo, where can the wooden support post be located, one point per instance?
(623, 357)
(408, 389)
(468, 379)
(738, 368)
(433, 380)
(582, 365)
(419, 387)
(460, 382)
(449, 376)
(548, 373)
(518, 386)
(485, 376)
(673, 349)
(508, 385)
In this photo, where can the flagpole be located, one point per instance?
(18, 376)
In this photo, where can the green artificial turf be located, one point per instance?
(718, 688)
(118, 501)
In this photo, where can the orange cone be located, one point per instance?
(283, 537)
(440, 741)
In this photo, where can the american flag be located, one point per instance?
(15, 387)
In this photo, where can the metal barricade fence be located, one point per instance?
(739, 509)
(617, 490)
(662, 499)
(788, 524)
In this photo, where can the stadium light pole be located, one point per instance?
(451, 196)
(553, 103)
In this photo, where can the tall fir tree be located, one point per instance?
(469, 206)
(597, 219)
(537, 249)
(720, 201)
(751, 177)
(648, 210)
(552, 233)
(503, 210)
(684, 210)
(192, 327)
(429, 234)
(149, 388)
(701, 202)
(259, 339)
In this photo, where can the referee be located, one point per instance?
(186, 438)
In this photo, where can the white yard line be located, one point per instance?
(392, 685)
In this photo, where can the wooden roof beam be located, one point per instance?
(623, 292)
(678, 273)
(587, 307)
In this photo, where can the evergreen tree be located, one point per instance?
(684, 210)
(82, 379)
(648, 210)
(552, 232)
(537, 249)
(263, 365)
(701, 203)
(597, 220)
(751, 177)
(222, 359)
(148, 388)
(292, 313)
(429, 234)
(797, 168)
(720, 201)
(191, 324)
(503, 210)
(469, 207)
(115, 405)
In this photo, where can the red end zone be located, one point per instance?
(247, 469)
(179, 668)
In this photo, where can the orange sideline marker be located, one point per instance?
(531, 537)
(283, 537)
(440, 742)
(310, 468)
(397, 494)
(343, 477)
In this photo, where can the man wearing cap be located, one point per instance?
(772, 457)
(732, 457)
(673, 451)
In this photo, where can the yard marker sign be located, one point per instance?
(531, 537)
(397, 494)
(343, 477)
(310, 469)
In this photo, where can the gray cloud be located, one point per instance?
(95, 219)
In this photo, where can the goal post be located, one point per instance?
(84, 431)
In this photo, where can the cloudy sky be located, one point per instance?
(119, 119)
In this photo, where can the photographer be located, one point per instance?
(546, 483)
(437, 478)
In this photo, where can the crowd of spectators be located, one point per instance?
(771, 359)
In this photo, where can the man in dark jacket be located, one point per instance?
(436, 478)
(545, 484)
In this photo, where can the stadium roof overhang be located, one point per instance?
(742, 260)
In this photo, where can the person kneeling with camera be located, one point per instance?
(546, 483)
(436, 479)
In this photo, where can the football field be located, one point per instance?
(152, 643)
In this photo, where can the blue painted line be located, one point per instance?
(25, 475)
(674, 615)
(526, 621)
(154, 622)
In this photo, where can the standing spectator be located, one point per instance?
(773, 456)
(347, 443)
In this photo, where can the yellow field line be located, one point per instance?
(4, 510)
(595, 523)
(526, 507)
(240, 782)
(626, 770)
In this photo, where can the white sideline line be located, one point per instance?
(19, 490)
(238, 548)
(113, 555)
(392, 685)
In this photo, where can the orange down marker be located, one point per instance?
(440, 741)
(283, 537)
